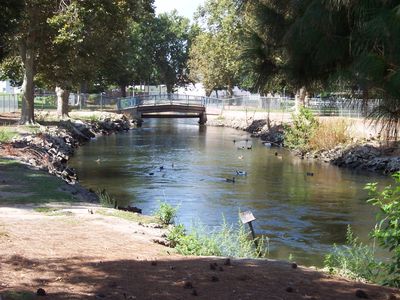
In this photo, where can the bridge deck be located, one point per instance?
(165, 106)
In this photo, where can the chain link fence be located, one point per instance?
(350, 108)
(354, 108)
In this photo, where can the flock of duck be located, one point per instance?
(237, 172)
(250, 147)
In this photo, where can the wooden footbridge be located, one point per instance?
(165, 106)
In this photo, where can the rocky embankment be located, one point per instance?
(360, 154)
(52, 146)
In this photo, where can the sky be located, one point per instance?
(185, 8)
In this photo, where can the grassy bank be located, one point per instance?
(21, 185)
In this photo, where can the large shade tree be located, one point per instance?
(65, 42)
(313, 44)
(214, 55)
(31, 32)
(128, 55)
(10, 12)
(152, 50)
(90, 37)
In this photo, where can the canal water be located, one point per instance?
(184, 164)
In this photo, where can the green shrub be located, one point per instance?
(227, 241)
(166, 213)
(94, 118)
(175, 235)
(6, 136)
(354, 260)
(197, 244)
(298, 134)
(387, 229)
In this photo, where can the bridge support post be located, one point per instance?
(137, 117)
(203, 118)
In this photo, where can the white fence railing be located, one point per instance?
(8, 103)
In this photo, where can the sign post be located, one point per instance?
(247, 218)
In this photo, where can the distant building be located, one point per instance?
(7, 88)
(151, 89)
(198, 90)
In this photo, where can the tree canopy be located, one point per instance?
(214, 55)
(323, 43)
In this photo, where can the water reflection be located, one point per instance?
(303, 215)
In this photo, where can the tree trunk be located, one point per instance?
(300, 99)
(123, 90)
(230, 91)
(170, 88)
(62, 102)
(28, 90)
(364, 105)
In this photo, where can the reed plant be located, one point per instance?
(354, 260)
(106, 200)
(329, 134)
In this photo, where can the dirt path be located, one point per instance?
(80, 255)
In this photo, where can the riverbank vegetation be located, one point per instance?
(307, 134)
(24, 186)
(166, 213)
(227, 240)
(387, 230)
(356, 260)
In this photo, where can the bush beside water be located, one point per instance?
(227, 241)
(354, 260)
(166, 213)
(306, 133)
(357, 261)
(387, 229)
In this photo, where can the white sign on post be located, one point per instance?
(246, 217)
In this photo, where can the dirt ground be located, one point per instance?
(80, 255)
(9, 118)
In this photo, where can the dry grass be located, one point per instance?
(329, 134)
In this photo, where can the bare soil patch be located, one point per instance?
(90, 256)
(9, 118)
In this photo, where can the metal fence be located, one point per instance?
(350, 108)
(8, 103)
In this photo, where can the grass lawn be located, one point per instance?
(20, 185)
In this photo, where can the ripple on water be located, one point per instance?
(303, 215)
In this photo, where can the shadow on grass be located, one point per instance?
(90, 278)
(20, 184)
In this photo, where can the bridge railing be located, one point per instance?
(162, 99)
